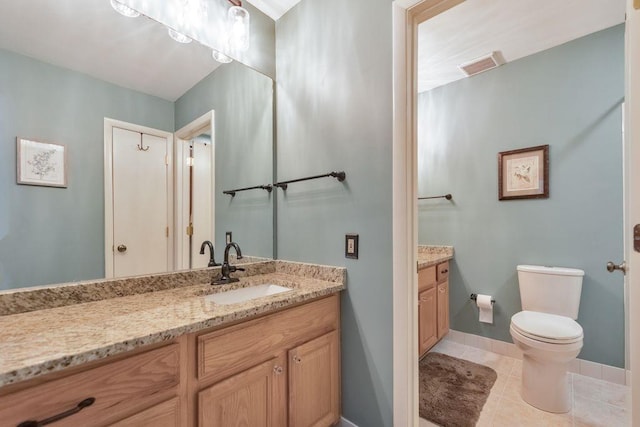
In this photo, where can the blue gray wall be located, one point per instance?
(52, 235)
(335, 110)
(570, 98)
(243, 102)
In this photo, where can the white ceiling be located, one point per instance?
(515, 28)
(274, 9)
(90, 37)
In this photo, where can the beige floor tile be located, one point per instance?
(516, 371)
(513, 413)
(501, 364)
(602, 391)
(449, 348)
(426, 423)
(591, 413)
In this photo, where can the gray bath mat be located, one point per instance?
(453, 391)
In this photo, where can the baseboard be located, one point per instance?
(578, 366)
(346, 423)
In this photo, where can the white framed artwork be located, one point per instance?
(41, 163)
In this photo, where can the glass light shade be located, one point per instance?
(125, 10)
(220, 57)
(239, 28)
(179, 37)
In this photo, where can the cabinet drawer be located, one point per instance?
(166, 414)
(443, 272)
(426, 278)
(230, 350)
(120, 389)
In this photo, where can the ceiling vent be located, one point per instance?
(480, 65)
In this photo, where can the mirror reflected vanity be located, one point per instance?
(60, 89)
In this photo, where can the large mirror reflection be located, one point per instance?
(154, 132)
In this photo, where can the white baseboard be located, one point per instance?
(346, 423)
(578, 366)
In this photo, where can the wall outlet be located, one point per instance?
(228, 237)
(351, 246)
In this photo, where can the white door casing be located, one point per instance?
(204, 202)
(632, 209)
(138, 200)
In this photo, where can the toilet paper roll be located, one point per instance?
(485, 307)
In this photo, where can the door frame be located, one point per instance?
(194, 128)
(407, 14)
(632, 197)
(109, 124)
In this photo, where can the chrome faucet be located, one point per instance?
(228, 269)
(212, 260)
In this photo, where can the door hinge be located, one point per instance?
(166, 159)
(167, 231)
(190, 230)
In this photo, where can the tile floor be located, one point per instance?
(595, 402)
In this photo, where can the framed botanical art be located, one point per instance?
(524, 173)
(41, 163)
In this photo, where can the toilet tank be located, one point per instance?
(553, 290)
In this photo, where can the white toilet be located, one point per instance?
(547, 334)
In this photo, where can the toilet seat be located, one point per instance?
(548, 328)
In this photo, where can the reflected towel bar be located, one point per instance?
(340, 176)
(446, 196)
(232, 193)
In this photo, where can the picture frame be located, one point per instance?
(524, 173)
(41, 163)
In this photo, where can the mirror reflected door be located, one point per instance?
(138, 200)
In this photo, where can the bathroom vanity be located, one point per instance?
(175, 358)
(433, 295)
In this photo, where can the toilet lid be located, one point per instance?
(546, 327)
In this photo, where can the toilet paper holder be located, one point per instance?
(475, 298)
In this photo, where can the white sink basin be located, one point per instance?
(245, 294)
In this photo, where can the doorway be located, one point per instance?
(405, 212)
(195, 191)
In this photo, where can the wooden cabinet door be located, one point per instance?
(314, 382)
(427, 318)
(255, 397)
(443, 309)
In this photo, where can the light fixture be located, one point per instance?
(238, 27)
(179, 37)
(125, 10)
(220, 57)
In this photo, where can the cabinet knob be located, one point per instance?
(278, 370)
(122, 248)
(297, 359)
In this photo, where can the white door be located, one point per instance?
(632, 139)
(140, 203)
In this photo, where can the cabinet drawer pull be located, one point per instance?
(79, 407)
(278, 370)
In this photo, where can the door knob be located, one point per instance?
(122, 248)
(611, 267)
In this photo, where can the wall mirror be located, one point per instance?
(80, 74)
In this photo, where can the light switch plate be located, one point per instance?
(228, 237)
(351, 246)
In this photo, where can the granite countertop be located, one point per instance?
(38, 342)
(429, 255)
